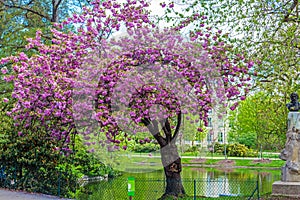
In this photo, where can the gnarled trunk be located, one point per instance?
(172, 168)
(169, 155)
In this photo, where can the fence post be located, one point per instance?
(15, 176)
(58, 188)
(195, 193)
(257, 185)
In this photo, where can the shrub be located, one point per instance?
(218, 148)
(192, 149)
(236, 149)
(145, 148)
(34, 166)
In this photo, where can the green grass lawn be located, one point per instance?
(154, 163)
(240, 162)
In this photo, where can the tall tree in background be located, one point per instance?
(267, 30)
(21, 19)
(189, 130)
(251, 124)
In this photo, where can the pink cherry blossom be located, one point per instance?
(4, 70)
(87, 82)
(5, 100)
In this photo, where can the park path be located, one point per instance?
(19, 195)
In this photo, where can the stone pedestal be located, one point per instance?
(288, 176)
(289, 186)
(286, 189)
(294, 120)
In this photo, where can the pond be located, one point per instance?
(203, 182)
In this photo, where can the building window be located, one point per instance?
(220, 123)
(209, 122)
(209, 137)
(220, 137)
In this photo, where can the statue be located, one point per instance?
(289, 185)
(294, 105)
(291, 151)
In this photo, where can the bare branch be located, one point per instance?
(153, 128)
(25, 8)
(293, 6)
(55, 6)
(167, 130)
(177, 127)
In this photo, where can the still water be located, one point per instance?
(202, 182)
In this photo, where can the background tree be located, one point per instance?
(21, 19)
(190, 129)
(251, 124)
(266, 30)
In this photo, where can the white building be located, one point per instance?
(216, 131)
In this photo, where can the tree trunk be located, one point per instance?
(172, 168)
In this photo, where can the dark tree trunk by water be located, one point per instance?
(169, 155)
(172, 169)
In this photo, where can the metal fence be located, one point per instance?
(38, 180)
(152, 189)
(60, 184)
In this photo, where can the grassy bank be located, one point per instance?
(235, 163)
(133, 161)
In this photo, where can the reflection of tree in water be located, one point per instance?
(225, 169)
(199, 169)
(209, 182)
(267, 177)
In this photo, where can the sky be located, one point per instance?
(156, 11)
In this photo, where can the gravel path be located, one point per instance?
(19, 195)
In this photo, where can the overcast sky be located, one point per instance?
(156, 11)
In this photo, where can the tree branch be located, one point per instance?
(177, 127)
(293, 6)
(153, 128)
(26, 9)
(167, 130)
(54, 10)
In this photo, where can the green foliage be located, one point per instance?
(192, 149)
(145, 148)
(35, 165)
(236, 149)
(88, 163)
(249, 140)
(259, 120)
(21, 19)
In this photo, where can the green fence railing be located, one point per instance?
(61, 183)
(152, 189)
(36, 179)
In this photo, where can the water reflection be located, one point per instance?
(232, 182)
(204, 182)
